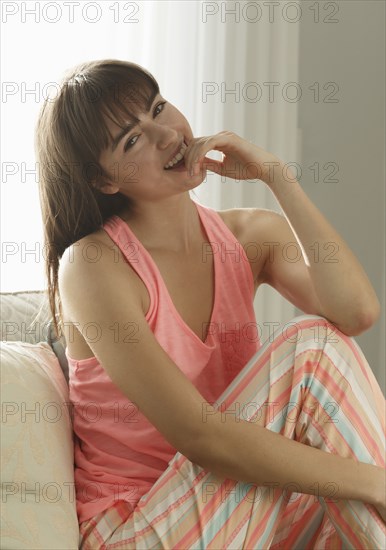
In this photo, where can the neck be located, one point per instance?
(171, 224)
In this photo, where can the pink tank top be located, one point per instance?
(119, 454)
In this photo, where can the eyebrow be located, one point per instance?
(132, 125)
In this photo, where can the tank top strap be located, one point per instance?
(136, 255)
(225, 245)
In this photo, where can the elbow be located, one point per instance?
(364, 321)
(370, 317)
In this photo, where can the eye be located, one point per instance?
(160, 105)
(129, 143)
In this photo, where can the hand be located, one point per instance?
(242, 159)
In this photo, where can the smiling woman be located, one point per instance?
(202, 432)
(154, 142)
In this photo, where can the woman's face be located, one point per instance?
(136, 161)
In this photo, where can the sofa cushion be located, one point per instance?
(37, 451)
(26, 317)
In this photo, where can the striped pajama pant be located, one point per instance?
(310, 383)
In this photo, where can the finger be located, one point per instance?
(202, 146)
(192, 152)
(215, 166)
(198, 151)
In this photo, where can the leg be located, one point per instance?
(352, 424)
(312, 384)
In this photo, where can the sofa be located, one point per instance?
(38, 505)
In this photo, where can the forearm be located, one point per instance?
(245, 451)
(340, 282)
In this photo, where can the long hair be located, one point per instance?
(71, 132)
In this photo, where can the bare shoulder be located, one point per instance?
(98, 240)
(253, 228)
(95, 256)
(77, 257)
(249, 223)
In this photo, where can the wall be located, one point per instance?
(351, 133)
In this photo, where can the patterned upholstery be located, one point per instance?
(26, 317)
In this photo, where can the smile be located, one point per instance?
(177, 158)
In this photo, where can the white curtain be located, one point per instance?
(225, 65)
(227, 70)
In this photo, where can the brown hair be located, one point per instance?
(71, 133)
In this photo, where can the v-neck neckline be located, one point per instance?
(186, 327)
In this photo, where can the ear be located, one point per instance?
(109, 189)
(105, 187)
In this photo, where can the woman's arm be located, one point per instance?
(241, 450)
(340, 282)
(244, 451)
(342, 286)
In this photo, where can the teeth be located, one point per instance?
(177, 158)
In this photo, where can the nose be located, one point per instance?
(162, 135)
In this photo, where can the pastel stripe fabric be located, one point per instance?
(310, 383)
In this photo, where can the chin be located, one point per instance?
(191, 183)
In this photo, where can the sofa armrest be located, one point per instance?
(37, 451)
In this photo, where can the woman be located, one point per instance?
(179, 411)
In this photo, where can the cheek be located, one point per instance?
(140, 168)
(148, 169)
(125, 171)
(177, 116)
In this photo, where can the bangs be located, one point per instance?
(125, 104)
(116, 91)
